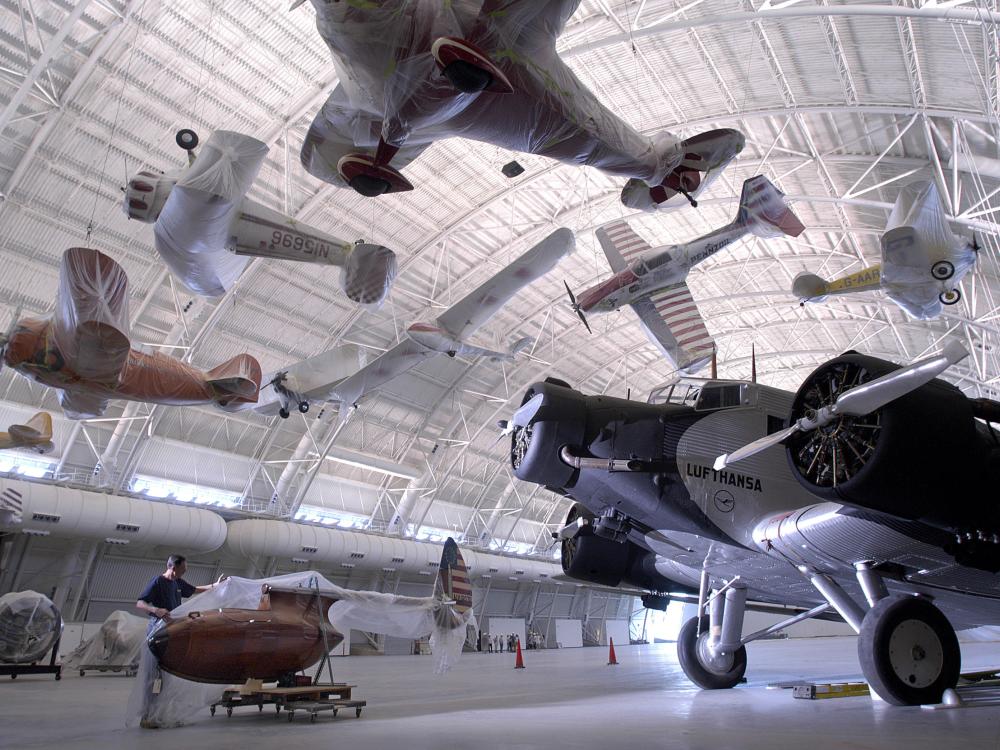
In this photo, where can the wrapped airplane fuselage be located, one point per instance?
(205, 229)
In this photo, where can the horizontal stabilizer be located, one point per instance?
(37, 430)
(764, 212)
(237, 379)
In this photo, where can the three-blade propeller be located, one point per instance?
(576, 306)
(858, 401)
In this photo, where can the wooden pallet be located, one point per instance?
(285, 697)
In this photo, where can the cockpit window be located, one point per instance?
(716, 396)
(683, 394)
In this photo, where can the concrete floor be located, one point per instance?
(564, 699)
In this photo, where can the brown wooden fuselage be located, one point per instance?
(153, 378)
(283, 635)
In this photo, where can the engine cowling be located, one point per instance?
(368, 273)
(594, 559)
(921, 457)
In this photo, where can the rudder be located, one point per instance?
(764, 212)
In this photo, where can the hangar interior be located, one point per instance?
(841, 105)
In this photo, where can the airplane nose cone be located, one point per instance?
(157, 643)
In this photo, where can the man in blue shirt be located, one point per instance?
(165, 592)
(161, 595)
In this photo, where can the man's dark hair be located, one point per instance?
(174, 560)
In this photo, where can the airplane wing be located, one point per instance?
(466, 316)
(671, 320)
(90, 323)
(621, 244)
(82, 405)
(402, 357)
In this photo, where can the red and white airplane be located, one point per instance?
(652, 281)
(83, 349)
(414, 73)
(450, 331)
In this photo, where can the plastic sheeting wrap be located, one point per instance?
(30, 625)
(390, 87)
(115, 645)
(917, 236)
(90, 323)
(193, 228)
(400, 616)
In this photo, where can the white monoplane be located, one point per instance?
(449, 333)
(652, 281)
(411, 73)
(923, 261)
(206, 230)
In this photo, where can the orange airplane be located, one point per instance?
(83, 349)
(36, 435)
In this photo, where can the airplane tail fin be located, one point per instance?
(763, 210)
(236, 380)
(453, 583)
(36, 434)
(808, 287)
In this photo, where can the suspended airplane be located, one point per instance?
(923, 261)
(291, 628)
(860, 497)
(652, 281)
(450, 331)
(206, 230)
(412, 74)
(83, 349)
(36, 435)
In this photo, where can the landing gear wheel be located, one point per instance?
(950, 297)
(942, 270)
(368, 186)
(467, 78)
(303, 407)
(908, 651)
(284, 413)
(704, 670)
(187, 139)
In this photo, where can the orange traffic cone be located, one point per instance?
(612, 661)
(519, 661)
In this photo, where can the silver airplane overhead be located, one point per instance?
(652, 280)
(450, 331)
(863, 497)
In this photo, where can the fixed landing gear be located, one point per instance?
(703, 666)
(468, 68)
(950, 297)
(908, 651)
(371, 176)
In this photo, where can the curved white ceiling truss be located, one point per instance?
(841, 103)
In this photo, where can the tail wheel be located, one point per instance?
(303, 407)
(284, 413)
(908, 651)
(942, 270)
(704, 669)
(950, 297)
(833, 454)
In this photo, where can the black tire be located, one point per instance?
(303, 407)
(942, 270)
(950, 297)
(284, 413)
(701, 675)
(58, 676)
(368, 186)
(908, 651)
(187, 139)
